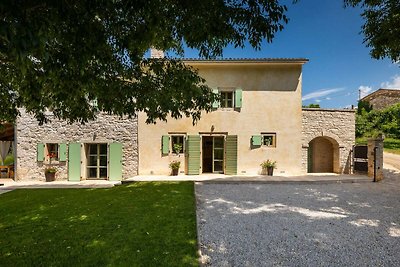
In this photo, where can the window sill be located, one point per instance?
(178, 155)
(52, 162)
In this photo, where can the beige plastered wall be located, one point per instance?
(271, 103)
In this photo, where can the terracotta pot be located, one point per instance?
(175, 172)
(50, 176)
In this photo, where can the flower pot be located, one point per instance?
(50, 176)
(175, 172)
(270, 171)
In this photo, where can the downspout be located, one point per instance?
(375, 148)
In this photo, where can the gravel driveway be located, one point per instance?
(300, 225)
(391, 159)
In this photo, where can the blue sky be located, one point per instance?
(329, 36)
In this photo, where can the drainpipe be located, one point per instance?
(375, 148)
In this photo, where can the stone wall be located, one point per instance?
(105, 129)
(384, 101)
(338, 126)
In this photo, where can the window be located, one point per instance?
(229, 98)
(226, 99)
(97, 161)
(177, 144)
(52, 152)
(269, 139)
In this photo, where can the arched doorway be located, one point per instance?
(323, 155)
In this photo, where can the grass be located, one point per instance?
(141, 224)
(389, 144)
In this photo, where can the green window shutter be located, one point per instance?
(238, 98)
(62, 152)
(216, 103)
(193, 154)
(115, 162)
(165, 145)
(231, 155)
(74, 162)
(256, 140)
(40, 152)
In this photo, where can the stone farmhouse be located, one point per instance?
(259, 117)
(382, 98)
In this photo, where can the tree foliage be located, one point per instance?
(387, 121)
(364, 106)
(312, 106)
(382, 27)
(62, 55)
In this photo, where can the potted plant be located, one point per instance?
(50, 174)
(177, 148)
(268, 167)
(174, 165)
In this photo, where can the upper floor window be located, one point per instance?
(229, 98)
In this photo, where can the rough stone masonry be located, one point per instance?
(105, 129)
(335, 124)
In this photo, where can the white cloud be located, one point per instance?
(394, 84)
(364, 90)
(321, 93)
(317, 100)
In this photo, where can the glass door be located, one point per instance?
(97, 161)
(218, 154)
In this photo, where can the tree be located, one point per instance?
(312, 106)
(63, 55)
(382, 27)
(363, 105)
(371, 123)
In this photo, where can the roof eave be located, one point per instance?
(246, 61)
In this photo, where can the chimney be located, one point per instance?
(155, 53)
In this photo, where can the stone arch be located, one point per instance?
(327, 134)
(323, 155)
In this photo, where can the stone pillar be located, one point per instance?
(375, 153)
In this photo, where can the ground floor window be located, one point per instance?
(52, 152)
(269, 139)
(97, 161)
(177, 143)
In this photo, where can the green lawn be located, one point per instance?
(389, 144)
(141, 224)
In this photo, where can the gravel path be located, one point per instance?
(300, 225)
(392, 159)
